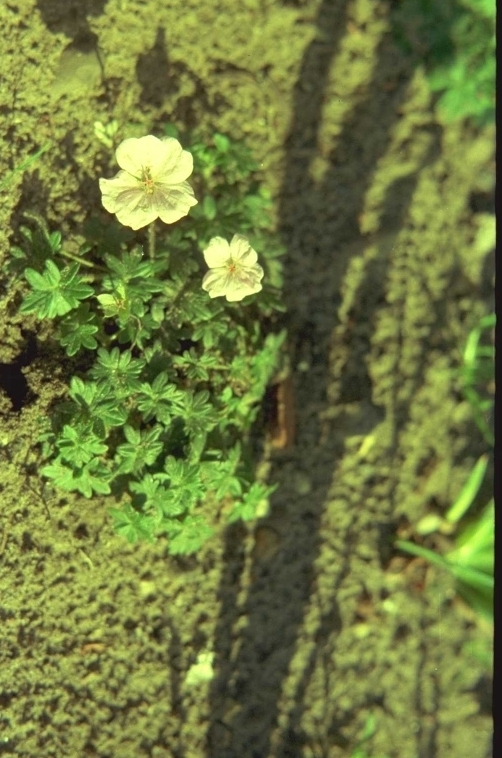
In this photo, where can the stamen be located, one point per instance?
(147, 181)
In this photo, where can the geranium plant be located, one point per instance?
(172, 351)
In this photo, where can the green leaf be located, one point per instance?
(478, 580)
(119, 370)
(55, 292)
(422, 552)
(188, 536)
(114, 305)
(197, 413)
(210, 332)
(150, 493)
(171, 502)
(85, 394)
(196, 366)
(148, 488)
(219, 476)
(141, 449)
(79, 446)
(475, 545)
(61, 474)
(246, 508)
(222, 143)
(196, 307)
(485, 8)
(196, 447)
(132, 525)
(469, 492)
(78, 330)
(130, 266)
(159, 400)
(209, 207)
(97, 403)
(182, 475)
(93, 477)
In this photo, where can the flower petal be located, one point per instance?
(155, 152)
(217, 253)
(242, 251)
(241, 287)
(113, 189)
(242, 292)
(132, 154)
(234, 285)
(249, 278)
(216, 281)
(123, 196)
(172, 203)
(136, 218)
(174, 164)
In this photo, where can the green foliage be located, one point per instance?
(477, 374)
(167, 382)
(471, 556)
(55, 292)
(456, 39)
(246, 508)
(368, 732)
(78, 330)
(132, 525)
(38, 245)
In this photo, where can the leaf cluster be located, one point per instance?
(456, 39)
(470, 558)
(477, 374)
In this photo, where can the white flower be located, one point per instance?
(234, 272)
(152, 182)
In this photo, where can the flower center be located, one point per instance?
(147, 181)
(232, 267)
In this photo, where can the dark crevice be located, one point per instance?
(12, 380)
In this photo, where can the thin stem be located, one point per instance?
(151, 240)
(82, 261)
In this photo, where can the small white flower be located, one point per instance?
(152, 182)
(234, 272)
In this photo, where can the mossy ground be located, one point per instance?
(313, 622)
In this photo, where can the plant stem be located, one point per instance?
(82, 261)
(151, 240)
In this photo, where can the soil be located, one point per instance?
(307, 622)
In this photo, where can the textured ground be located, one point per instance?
(313, 622)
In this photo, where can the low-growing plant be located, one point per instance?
(456, 41)
(470, 556)
(167, 378)
(477, 374)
